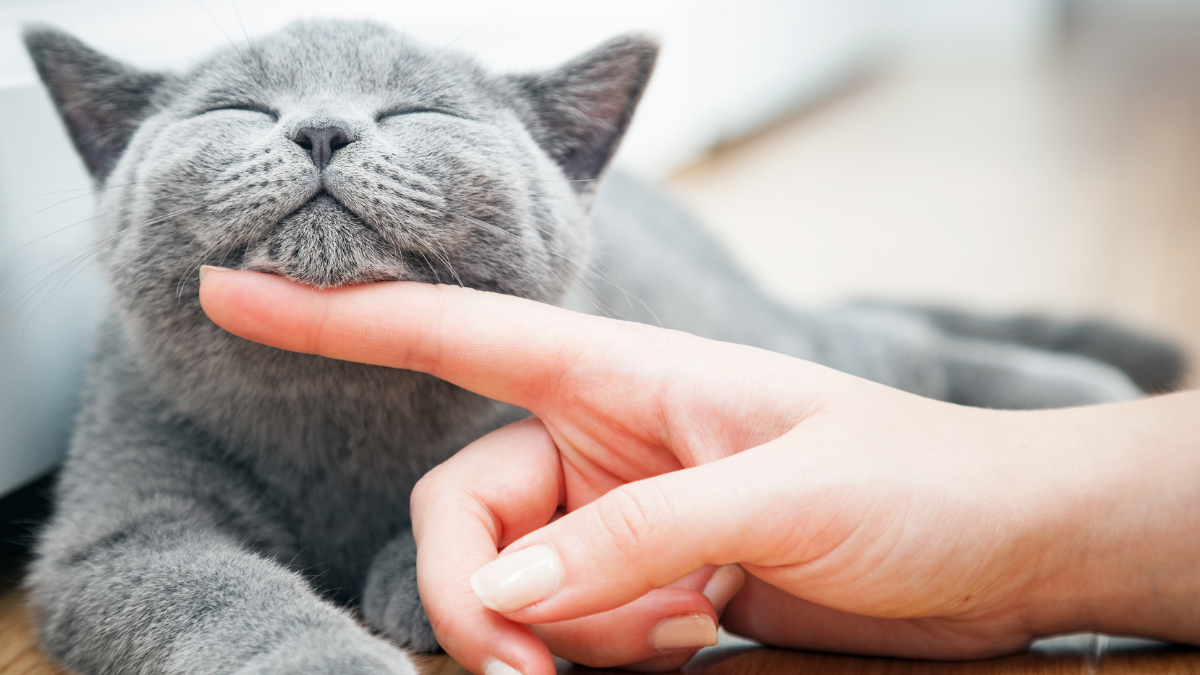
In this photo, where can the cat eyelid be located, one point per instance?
(247, 107)
(413, 110)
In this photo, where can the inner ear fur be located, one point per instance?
(101, 100)
(583, 109)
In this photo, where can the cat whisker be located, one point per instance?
(94, 190)
(445, 258)
(582, 261)
(425, 244)
(74, 257)
(75, 262)
(150, 221)
(76, 223)
(68, 274)
(45, 287)
(95, 216)
(188, 272)
(88, 193)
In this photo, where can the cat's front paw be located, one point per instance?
(353, 652)
(398, 615)
(391, 604)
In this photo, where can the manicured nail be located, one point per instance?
(494, 666)
(518, 580)
(204, 269)
(690, 631)
(724, 584)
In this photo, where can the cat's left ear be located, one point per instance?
(101, 101)
(583, 108)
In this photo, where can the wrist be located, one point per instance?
(1119, 519)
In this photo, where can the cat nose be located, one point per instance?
(321, 143)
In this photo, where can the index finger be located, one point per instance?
(503, 347)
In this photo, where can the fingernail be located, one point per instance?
(724, 584)
(494, 666)
(204, 269)
(690, 631)
(515, 581)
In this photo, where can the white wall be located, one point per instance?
(49, 296)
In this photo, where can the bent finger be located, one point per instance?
(462, 512)
(639, 537)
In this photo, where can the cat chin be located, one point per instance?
(324, 244)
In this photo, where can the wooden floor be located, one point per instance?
(1088, 654)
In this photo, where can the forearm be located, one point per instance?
(1125, 508)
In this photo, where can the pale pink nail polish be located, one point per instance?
(515, 581)
(690, 631)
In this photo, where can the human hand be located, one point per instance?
(870, 520)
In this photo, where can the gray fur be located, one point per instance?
(228, 507)
(1154, 364)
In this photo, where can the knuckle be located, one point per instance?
(423, 490)
(633, 515)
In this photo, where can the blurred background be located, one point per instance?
(1002, 155)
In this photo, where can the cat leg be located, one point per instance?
(1155, 364)
(158, 585)
(998, 375)
(391, 604)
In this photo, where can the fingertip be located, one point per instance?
(685, 631)
(210, 295)
(516, 581)
(224, 302)
(506, 649)
(667, 625)
(723, 585)
(494, 666)
(263, 308)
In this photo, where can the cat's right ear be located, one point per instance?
(101, 100)
(582, 109)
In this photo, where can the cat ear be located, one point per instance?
(583, 108)
(101, 101)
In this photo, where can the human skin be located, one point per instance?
(868, 520)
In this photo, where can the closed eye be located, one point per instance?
(245, 107)
(399, 112)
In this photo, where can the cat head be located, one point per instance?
(340, 152)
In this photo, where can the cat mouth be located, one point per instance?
(322, 200)
(323, 243)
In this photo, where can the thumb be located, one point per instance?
(638, 537)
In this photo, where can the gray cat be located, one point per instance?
(228, 507)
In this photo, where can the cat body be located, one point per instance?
(229, 507)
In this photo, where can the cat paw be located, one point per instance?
(348, 653)
(391, 604)
(399, 616)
